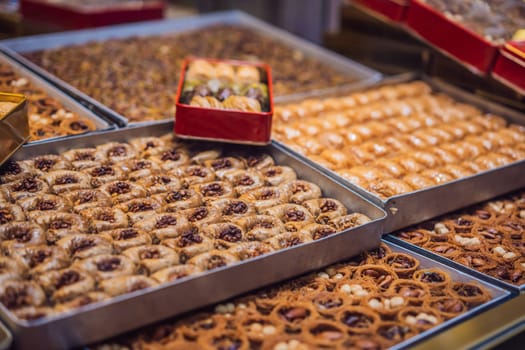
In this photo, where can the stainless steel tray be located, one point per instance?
(5, 337)
(411, 208)
(65, 100)
(123, 313)
(455, 265)
(364, 76)
(499, 296)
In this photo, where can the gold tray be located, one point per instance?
(14, 129)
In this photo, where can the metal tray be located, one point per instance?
(117, 315)
(455, 265)
(414, 207)
(499, 296)
(5, 337)
(64, 99)
(364, 76)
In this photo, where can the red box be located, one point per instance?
(510, 66)
(232, 126)
(393, 10)
(78, 15)
(459, 42)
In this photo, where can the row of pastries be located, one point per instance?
(398, 138)
(92, 223)
(373, 301)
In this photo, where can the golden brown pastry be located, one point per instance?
(151, 258)
(126, 284)
(66, 284)
(106, 266)
(81, 246)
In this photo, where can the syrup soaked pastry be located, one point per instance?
(103, 174)
(301, 191)
(213, 259)
(163, 225)
(13, 170)
(214, 190)
(155, 184)
(126, 284)
(402, 144)
(46, 163)
(67, 180)
(148, 146)
(244, 180)
(265, 197)
(35, 205)
(82, 300)
(85, 225)
(293, 216)
(81, 246)
(82, 158)
(24, 187)
(174, 201)
(260, 227)
(122, 191)
(88, 199)
(117, 152)
(485, 237)
(11, 269)
(58, 224)
(66, 284)
(20, 234)
(151, 258)
(140, 208)
(19, 294)
(139, 168)
(174, 273)
(106, 266)
(102, 219)
(190, 243)
(10, 213)
(40, 258)
(232, 208)
(124, 238)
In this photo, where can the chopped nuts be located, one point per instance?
(441, 229)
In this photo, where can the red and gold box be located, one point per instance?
(392, 10)
(87, 14)
(219, 123)
(510, 66)
(452, 38)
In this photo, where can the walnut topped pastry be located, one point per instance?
(97, 222)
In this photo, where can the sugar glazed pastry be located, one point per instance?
(47, 116)
(98, 222)
(398, 139)
(374, 301)
(488, 237)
